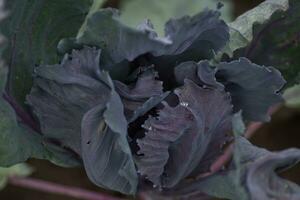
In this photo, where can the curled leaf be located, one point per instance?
(201, 73)
(105, 150)
(254, 176)
(262, 181)
(63, 93)
(77, 106)
(200, 34)
(253, 88)
(142, 96)
(184, 133)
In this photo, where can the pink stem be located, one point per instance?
(252, 128)
(224, 159)
(58, 189)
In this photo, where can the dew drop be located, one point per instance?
(184, 104)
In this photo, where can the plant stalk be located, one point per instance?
(58, 189)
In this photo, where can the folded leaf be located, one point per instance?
(105, 31)
(262, 181)
(188, 37)
(194, 38)
(74, 102)
(253, 88)
(18, 142)
(253, 176)
(63, 93)
(176, 142)
(105, 150)
(201, 73)
(204, 32)
(140, 97)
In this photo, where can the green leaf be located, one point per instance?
(33, 30)
(19, 170)
(133, 12)
(242, 28)
(18, 142)
(292, 96)
(273, 47)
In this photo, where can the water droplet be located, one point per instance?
(184, 104)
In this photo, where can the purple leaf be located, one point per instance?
(178, 140)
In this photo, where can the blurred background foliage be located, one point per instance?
(282, 132)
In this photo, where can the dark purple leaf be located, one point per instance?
(141, 96)
(253, 88)
(77, 106)
(178, 139)
(63, 93)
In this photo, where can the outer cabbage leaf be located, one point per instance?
(117, 41)
(212, 37)
(63, 93)
(33, 30)
(69, 100)
(254, 177)
(201, 33)
(262, 181)
(251, 175)
(253, 88)
(177, 141)
(159, 12)
(105, 150)
(16, 144)
(19, 139)
(186, 38)
(19, 142)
